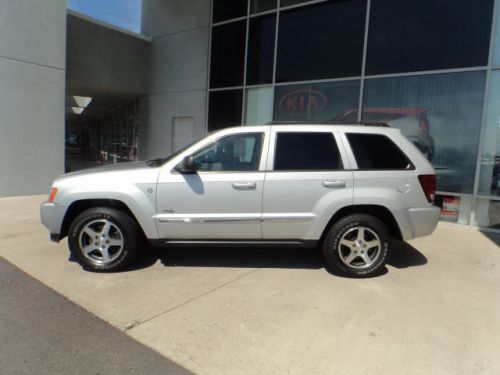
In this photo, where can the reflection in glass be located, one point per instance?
(454, 209)
(315, 101)
(262, 5)
(227, 9)
(321, 41)
(487, 213)
(228, 54)
(489, 178)
(259, 106)
(442, 110)
(260, 54)
(224, 109)
(406, 36)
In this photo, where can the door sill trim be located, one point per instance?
(232, 243)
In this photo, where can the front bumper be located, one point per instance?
(52, 216)
(423, 221)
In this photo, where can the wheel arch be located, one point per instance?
(380, 212)
(81, 205)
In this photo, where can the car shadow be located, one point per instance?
(231, 257)
(493, 237)
(403, 256)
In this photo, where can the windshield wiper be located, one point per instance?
(155, 162)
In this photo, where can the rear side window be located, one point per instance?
(376, 151)
(306, 151)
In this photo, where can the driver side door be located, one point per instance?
(223, 198)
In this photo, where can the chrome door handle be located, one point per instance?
(244, 185)
(334, 184)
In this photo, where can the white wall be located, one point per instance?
(179, 62)
(32, 80)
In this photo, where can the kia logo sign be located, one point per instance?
(301, 101)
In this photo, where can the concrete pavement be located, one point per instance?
(435, 311)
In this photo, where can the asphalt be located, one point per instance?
(41, 332)
(434, 310)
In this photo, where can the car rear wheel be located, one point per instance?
(357, 245)
(103, 239)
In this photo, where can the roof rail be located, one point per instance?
(331, 122)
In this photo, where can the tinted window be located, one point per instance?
(285, 3)
(261, 50)
(224, 109)
(321, 41)
(262, 5)
(240, 152)
(228, 54)
(428, 34)
(227, 9)
(375, 151)
(306, 151)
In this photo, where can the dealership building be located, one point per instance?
(76, 92)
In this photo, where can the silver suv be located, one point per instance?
(348, 188)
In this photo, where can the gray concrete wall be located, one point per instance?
(103, 58)
(179, 61)
(32, 79)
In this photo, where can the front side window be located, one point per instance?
(306, 151)
(376, 151)
(239, 152)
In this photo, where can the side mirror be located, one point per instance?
(187, 165)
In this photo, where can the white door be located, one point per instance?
(182, 132)
(306, 184)
(223, 199)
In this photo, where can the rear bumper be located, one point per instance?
(52, 216)
(423, 221)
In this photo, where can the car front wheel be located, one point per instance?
(357, 245)
(103, 239)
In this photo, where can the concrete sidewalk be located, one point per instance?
(435, 311)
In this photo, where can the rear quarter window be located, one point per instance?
(377, 151)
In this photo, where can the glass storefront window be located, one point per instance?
(321, 41)
(259, 106)
(316, 101)
(489, 178)
(257, 6)
(224, 109)
(406, 36)
(496, 41)
(440, 113)
(260, 54)
(227, 55)
(487, 213)
(227, 9)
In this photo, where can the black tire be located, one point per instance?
(368, 259)
(119, 244)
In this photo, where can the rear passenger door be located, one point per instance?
(305, 183)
